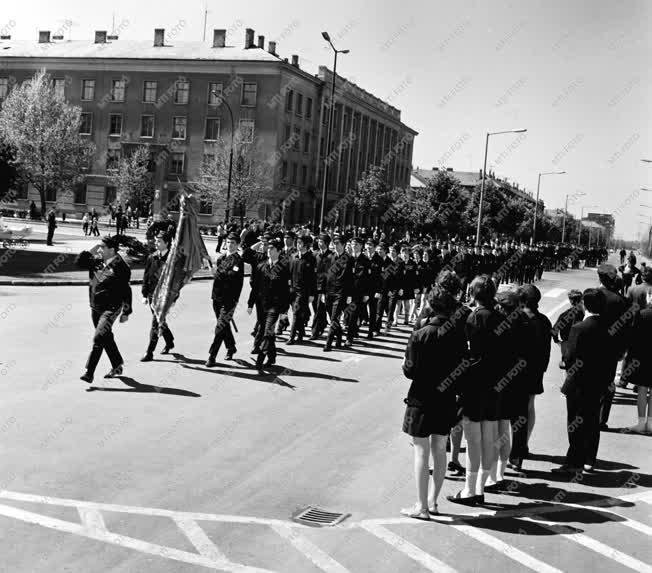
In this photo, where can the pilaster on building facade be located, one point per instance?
(166, 95)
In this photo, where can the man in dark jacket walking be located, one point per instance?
(303, 288)
(337, 291)
(227, 286)
(52, 225)
(110, 298)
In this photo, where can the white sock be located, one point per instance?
(491, 480)
(482, 480)
(471, 482)
(649, 421)
(500, 473)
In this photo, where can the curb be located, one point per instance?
(71, 282)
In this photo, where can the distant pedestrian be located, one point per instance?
(94, 230)
(52, 225)
(85, 223)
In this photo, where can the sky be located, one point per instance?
(575, 73)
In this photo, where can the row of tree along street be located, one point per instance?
(41, 145)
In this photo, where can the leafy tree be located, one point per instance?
(43, 131)
(370, 191)
(132, 179)
(448, 202)
(8, 170)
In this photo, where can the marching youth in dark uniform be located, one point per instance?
(272, 292)
(153, 268)
(227, 286)
(322, 261)
(337, 287)
(255, 255)
(110, 297)
(360, 268)
(375, 270)
(303, 287)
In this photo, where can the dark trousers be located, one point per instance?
(336, 305)
(224, 314)
(265, 337)
(353, 312)
(583, 426)
(155, 331)
(260, 317)
(103, 339)
(50, 235)
(300, 312)
(372, 306)
(319, 322)
(519, 422)
(391, 308)
(608, 396)
(382, 307)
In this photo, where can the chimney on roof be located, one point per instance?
(295, 60)
(7, 37)
(44, 37)
(249, 38)
(272, 48)
(449, 169)
(159, 37)
(100, 36)
(435, 168)
(261, 42)
(219, 38)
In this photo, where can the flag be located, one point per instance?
(185, 258)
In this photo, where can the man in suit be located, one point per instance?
(303, 288)
(52, 225)
(562, 327)
(110, 298)
(588, 359)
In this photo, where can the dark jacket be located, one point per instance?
(561, 329)
(322, 261)
(339, 276)
(303, 273)
(153, 268)
(272, 285)
(588, 358)
(435, 358)
(361, 270)
(110, 289)
(617, 320)
(229, 276)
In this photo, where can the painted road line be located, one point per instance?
(506, 549)
(593, 545)
(92, 520)
(616, 517)
(200, 540)
(645, 496)
(320, 558)
(397, 542)
(551, 313)
(554, 292)
(124, 541)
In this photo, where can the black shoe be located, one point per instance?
(255, 350)
(87, 377)
(604, 426)
(314, 336)
(370, 336)
(566, 470)
(470, 501)
(167, 349)
(348, 343)
(327, 348)
(229, 354)
(210, 362)
(270, 362)
(147, 357)
(290, 342)
(259, 362)
(457, 468)
(117, 371)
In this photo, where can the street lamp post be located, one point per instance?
(536, 203)
(563, 225)
(484, 175)
(579, 224)
(220, 101)
(330, 127)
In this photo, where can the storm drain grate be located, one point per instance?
(319, 517)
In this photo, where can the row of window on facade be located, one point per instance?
(179, 127)
(294, 101)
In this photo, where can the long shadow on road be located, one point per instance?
(135, 386)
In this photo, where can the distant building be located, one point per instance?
(604, 220)
(165, 95)
(469, 180)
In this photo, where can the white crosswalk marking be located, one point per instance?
(412, 551)
(320, 558)
(200, 540)
(554, 292)
(92, 519)
(506, 549)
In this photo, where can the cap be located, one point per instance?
(358, 240)
(276, 243)
(266, 237)
(112, 242)
(383, 245)
(305, 239)
(325, 237)
(233, 237)
(339, 238)
(290, 235)
(608, 270)
(370, 242)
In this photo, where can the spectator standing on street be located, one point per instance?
(85, 223)
(110, 298)
(94, 230)
(433, 356)
(572, 315)
(52, 225)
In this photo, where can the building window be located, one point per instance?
(179, 127)
(284, 171)
(296, 140)
(115, 124)
(308, 108)
(176, 164)
(288, 134)
(306, 142)
(205, 207)
(86, 123)
(110, 194)
(88, 90)
(214, 93)
(112, 159)
(4, 88)
(212, 129)
(322, 146)
(324, 118)
(80, 193)
(146, 126)
(299, 107)
(295, 172)
(304, 175)
(247, 130)
(59, 85)
(51, 194)
(289, 100)
(22, 189)
(182, 91)
(150, 89)
(118, 89)
(249, 95)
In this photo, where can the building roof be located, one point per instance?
(132, 49)
(416, 182)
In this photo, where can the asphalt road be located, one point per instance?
(178, 468)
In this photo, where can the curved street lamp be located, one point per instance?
(536, 203)
(563, 225)
(220, 101)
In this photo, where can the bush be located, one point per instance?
(213, 231)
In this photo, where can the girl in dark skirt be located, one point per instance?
(435, 361)
(638, 369)
(479, 397)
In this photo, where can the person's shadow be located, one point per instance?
(135, 386)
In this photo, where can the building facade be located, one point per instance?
(186, 101)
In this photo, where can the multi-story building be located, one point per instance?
(469, 180)
(167, 95)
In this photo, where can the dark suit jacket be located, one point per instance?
(588, 357)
